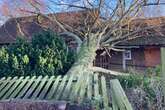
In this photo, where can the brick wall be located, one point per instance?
(152, 56)
(40, 105)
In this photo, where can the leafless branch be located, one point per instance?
(106, 71)
(121, 38)
(69, 5)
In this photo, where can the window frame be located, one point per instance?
(129, 54)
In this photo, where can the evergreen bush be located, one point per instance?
(46, 54)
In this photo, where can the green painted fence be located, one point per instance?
(163, 69)
(70, 88)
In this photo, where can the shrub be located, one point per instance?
(130, 81)
(156, 71)
(4, 59)
(19, 58)
(46, 55)
(50, 54)
(136, 81)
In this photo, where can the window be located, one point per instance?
(127, 55)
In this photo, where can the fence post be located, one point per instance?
(163, 69)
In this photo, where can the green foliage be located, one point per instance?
(158, 70)
(143, 82)
(47, 54)
(51, 55)
(130, 81)
(154, 71)
(4, 59)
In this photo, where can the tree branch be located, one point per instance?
(106, 71)
(121, 38)
(155, 4)
(117, 22)
(69, 5)
(74, 36)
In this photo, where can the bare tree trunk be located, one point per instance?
(85, 57)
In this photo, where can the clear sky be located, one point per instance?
(1, 1)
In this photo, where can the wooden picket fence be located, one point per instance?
(74, 89)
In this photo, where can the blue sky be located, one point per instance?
(151, 12)
(57, 9)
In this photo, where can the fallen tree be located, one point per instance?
(101, 26)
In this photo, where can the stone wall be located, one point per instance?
(39, 105)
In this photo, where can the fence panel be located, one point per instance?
(72, 88)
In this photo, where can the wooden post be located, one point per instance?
(124, 61)
(163, 69)
(119, 98)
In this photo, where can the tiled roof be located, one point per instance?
(152, 36)
(145, 41)
(29, 25)
(34, 24)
